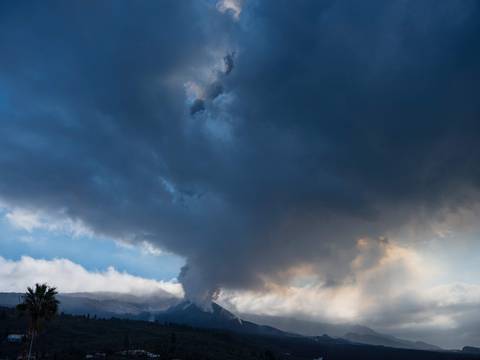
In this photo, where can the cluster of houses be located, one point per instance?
(127, 353)
(139, 353)
(97, 355)
(19, 338)
(15, 338)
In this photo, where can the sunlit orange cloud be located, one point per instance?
(381, 272)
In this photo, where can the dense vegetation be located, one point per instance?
(72, 337)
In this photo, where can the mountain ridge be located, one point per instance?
(164, 307)
(188, 313)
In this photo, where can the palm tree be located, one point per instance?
(39, 305)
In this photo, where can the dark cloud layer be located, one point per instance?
(340, 119)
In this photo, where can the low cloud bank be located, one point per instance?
(70, 277)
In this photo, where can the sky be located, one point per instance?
(315, 159)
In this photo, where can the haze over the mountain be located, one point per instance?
(165, 308)
(353, 332)
(106, 304)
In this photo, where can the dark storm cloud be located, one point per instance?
(215, 88)
(340, 119)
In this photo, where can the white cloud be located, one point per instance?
(457, 293)
(58, 222)
(69, 277)
(27, 239)
(35, 220)
(233, 7)
(23, 220)
(150, 249)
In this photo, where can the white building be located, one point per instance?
(15, 338)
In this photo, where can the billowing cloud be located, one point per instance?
(70, 277)
(233, 7)
(32, 220)
(380, 273)
(392, 290)
(339, 120)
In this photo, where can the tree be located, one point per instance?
(269, 355)
(126, 341)
(173, 342)
(39, 305)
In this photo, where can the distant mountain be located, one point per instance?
(374, 338)
(160, 306)
(163, 307)
(471, 350)
(106, 304)
(353, 333)
(215, 317)
(115, 303)
(304, 327)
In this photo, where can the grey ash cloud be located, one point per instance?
(213, 88)
(346, 119)
(197, 106)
